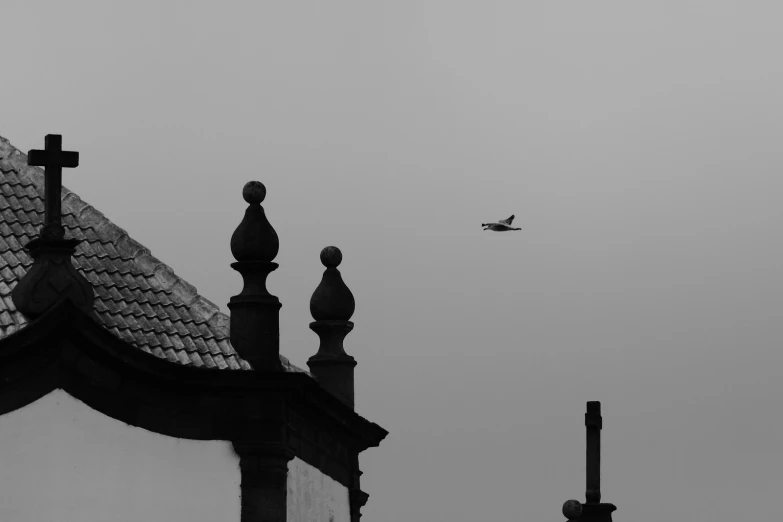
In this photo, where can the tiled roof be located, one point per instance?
(137, 297)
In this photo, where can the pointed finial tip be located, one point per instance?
(331, 257)
(572, 509)
(254, 192)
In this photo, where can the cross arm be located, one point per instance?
(41, 158)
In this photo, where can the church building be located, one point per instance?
(125, 395)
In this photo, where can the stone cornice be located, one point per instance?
(65, 348)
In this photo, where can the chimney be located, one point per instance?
(332, 306)
(255, 324)
(52, 276)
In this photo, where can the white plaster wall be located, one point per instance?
(62, 461)
(315, 497)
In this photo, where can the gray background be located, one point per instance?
(638, 144)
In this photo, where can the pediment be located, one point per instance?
(67, 349)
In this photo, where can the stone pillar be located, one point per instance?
(332, 305)
(264, 488)
(593, 510)
(255, 322)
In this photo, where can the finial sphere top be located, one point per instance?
(254, 192)
(572, 509)
(331, 257)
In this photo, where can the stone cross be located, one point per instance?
(53, 158)
(593, 425)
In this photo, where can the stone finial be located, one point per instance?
(255, 324)
(52, 276)
(254, 239)
(332, 305)
(332, 300)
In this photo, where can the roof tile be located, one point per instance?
(151, 339)
(131, 322)
(172, 356)
(177, 343)
(145, 307)
(220, 362)
(203, 329)
(190, 346)
(126, 294)
(195, 359)
(181, 330)
(145, 325)
(108, 319)
(172, 312)
(200, 345)
(193, 329)
(225, 347)
(207, 359)
(183, 357)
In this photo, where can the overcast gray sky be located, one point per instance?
(637, 143)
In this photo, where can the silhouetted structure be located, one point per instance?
(52, 276)
(100, 318)
(332, 306)
(255, 325)
(592, 510)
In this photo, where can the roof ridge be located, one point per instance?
(108, 231)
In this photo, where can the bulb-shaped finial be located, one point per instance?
(332, 300)
(254, 239)
(332, 306)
